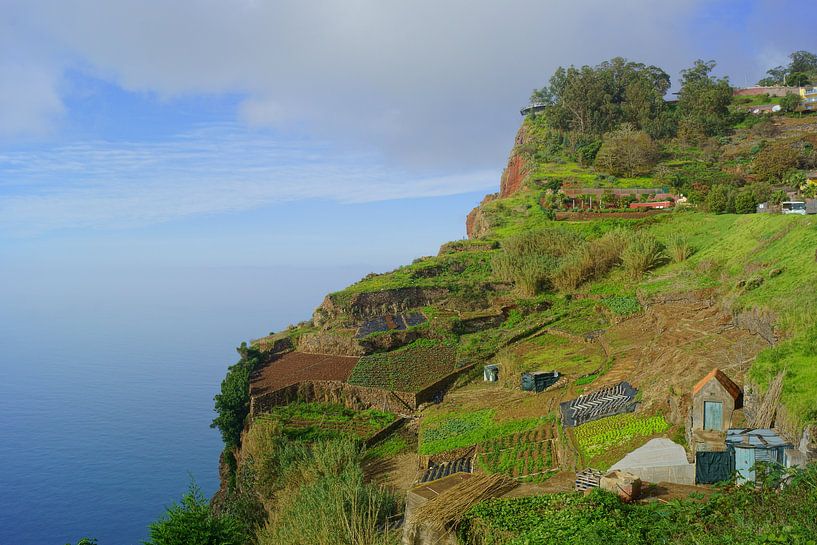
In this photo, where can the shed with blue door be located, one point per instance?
(714, 399)
(751, 446)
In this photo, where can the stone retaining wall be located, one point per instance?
(353, 396)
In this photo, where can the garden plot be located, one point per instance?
(318, 421)
(390, 322)
(597, 441)
(599, 404)
(529, 456)
(408, 369)
(296, 367)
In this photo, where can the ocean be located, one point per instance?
(107, 380)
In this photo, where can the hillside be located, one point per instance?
(571, 267)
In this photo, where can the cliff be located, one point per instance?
(510, 183)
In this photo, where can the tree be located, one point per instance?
(798, 79)
(627, 152)
(745, 202)
(719, 199)
(801, 70)
(802, 61)
(595, 99)
(703, 101)
(778, 196)
(773, 162)
(233, 403)
(192, 522)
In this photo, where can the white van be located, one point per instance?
(793, 207)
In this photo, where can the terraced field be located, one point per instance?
(408, 369)
(529, 456)
(295, 367)
(314, 421)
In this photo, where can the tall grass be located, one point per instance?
(642, 253)
(325, 501)
(510, 369)
(529, 259)
(679, 248)
(591, 260)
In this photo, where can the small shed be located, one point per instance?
(490, 373)
(750, 446)
(714, 399)
(713, 461)
(659, 460)
(539, 380)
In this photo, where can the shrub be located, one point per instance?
(233, 403)
(643, 253)
(720, 199)
(529, 259)
(326, 500)
(591, 260)
(679, 248)
(622, 305)
(627, 152)
(192, 522)
(775, 160)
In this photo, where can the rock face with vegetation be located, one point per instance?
(557, 273)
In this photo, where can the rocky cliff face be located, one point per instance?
(511, 182)
(476, 224)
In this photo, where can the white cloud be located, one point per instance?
(429, 82)
(212, 170)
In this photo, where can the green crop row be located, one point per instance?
(596, 437)
(452, 430)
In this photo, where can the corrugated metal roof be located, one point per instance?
(754, 438)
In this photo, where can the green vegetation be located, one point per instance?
(324, 500)
(735, 515)
(454, 271)
(391, 446)
(406, 369)
(801, 70)
(233, 403)
(451, 430)
(192, 522)
(642, 253)
(598, 436)
(314, 421)
(627, 152)
(528, 456)
(625, 305)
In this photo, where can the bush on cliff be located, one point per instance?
(233, 403)
(192, 522)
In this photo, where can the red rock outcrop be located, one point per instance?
(516, 170)
(511, 182)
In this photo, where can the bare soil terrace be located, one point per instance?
(295, 367)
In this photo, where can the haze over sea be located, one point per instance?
(107, 387)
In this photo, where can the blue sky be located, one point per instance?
(345, 132)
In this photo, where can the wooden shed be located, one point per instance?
(714, 399)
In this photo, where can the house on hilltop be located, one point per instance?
(809, 98)
(714, 399)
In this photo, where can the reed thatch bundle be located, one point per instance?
(445, 511)
(768, 409)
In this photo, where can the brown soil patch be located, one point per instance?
(665, 492)
(564, 481)
(295, 367)
(671, 346)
